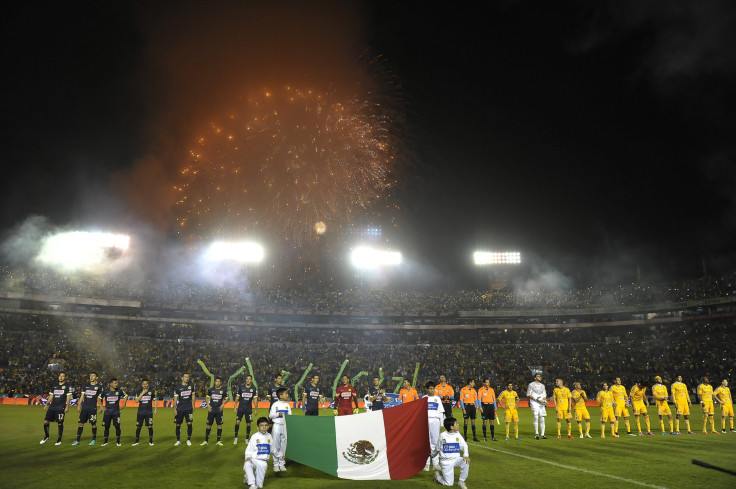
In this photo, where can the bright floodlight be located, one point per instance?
(365, 257)
(244, 252)
(79, 250)
(496, 258)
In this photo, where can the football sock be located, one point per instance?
(671, 426)
(219, 433)
(638, 424)
(150, 435)
(237, 428)
(677, 424)
(45, 431)
(117, 433)
(61, 429)
(137, 434)
(247, 431)
(207, 434)
(189, 431)
(79, 432)
(178, 433)
(484, 429)
(94, 432)
(628, 425)
(559, 428)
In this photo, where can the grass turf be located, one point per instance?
(650, 461)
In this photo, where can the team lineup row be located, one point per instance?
(613, 401)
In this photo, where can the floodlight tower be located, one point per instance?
(497, 265)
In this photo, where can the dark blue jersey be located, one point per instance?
(246, 397)
(313, 395)
(145, 404)
(377, 404)
(272, 393)
(112, 398)
(185, 393)
(90, 395)
(217, 398)
(58, 395)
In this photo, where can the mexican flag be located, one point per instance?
(388, 444)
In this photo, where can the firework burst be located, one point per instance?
(291, 163)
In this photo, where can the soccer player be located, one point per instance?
(216, 399)
(681, 400)
(705, 394)
(278, 410)
(487, 397)
(247, 406)
(115, 400)
(312, 397)
(446, 393)
(345, 397)
(579, 398)
(607, 404)
(537, 394)
(449, 448)
(723, 396)
(376, 395)
(184, 408)
(88, 407)
(408, 393)
(146, 410)
(509, 401)
(256, 455)
(562, 398)
(272, 391)
(639, 403)
(435, 413)
(469, 402)
(659, 392)
(56, 407)
(621, 399)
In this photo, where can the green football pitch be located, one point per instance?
(649, 461)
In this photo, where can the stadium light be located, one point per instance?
(243, 252)
(366, 258)
(80, 250)
(497, 258)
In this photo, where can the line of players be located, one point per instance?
(613, 403)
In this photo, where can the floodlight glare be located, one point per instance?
(243, 252)
(364, 257)
(82, 250)
(496, 258)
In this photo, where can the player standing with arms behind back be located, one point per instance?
(88, 407)
(620, 398)
(216, 398)
(681, 400)
(184, 408)
(247, 406)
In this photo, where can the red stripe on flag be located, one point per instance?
(407, 438)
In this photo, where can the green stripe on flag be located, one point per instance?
(311, 441)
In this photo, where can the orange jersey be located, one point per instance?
(408, 395)
(487, 395)
(468, 395)
(445, 393)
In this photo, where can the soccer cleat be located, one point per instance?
(235, 441)
(602, 435)
(723, 430)
(676, 433)
(542, 437)
(715, 432)
(650, 433)
(664, 432)
(119, 444)
(177, 443)
(559, 437)
(43, 441)
(632, 434)
(135, 444)
(475, 439)
(485, 439)
(641, 434)
(150, 443)
(581, 435)
(587, 435)
(283, 468)
(58, 442)
(220, 444)
(705, 432)
(426, 469)
(75, 443)
(507, 438)
(104, 444)
(189, 443)
(92, 443)
(252, 486)
(536, 437)
(204, 443)
(493, 439)
(518, 438)
(461, 485)
(690, 432)
(733, 431)
(615, 435)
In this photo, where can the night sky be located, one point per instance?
(595, 137)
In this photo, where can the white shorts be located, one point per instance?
(538, 409)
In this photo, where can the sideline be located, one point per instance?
(571, 467)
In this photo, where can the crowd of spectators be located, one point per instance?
(33, 348)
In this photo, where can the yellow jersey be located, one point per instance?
(637, 394)
(578, 399)
(605, 399)
(679, 393)
(619, 394)
(705, 393)
(510, 399)
(562, 397)
(723, 394)
(659, 391)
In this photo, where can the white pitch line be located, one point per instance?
(572, 467)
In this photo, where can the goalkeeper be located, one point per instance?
(537, 394)
(345, 397)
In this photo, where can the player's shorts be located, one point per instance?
(563, 413)
(708, 408)
(511, 415)
(54, 415)
(621, 411)
(663, 409)
(607, 415)
(184, 416)
(639, 408)
(88, 414)
(682, 408)
(214, 418)
(144, 420)
(345, 411)
(727, 409)
(448, 408)
(469, 411)
(538, 409)
(582, 414)
(488, 412)
(248, 416)
(107, 418)
(312, 412)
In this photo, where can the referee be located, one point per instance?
(487, 397)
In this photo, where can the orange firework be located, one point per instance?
(285, 160)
